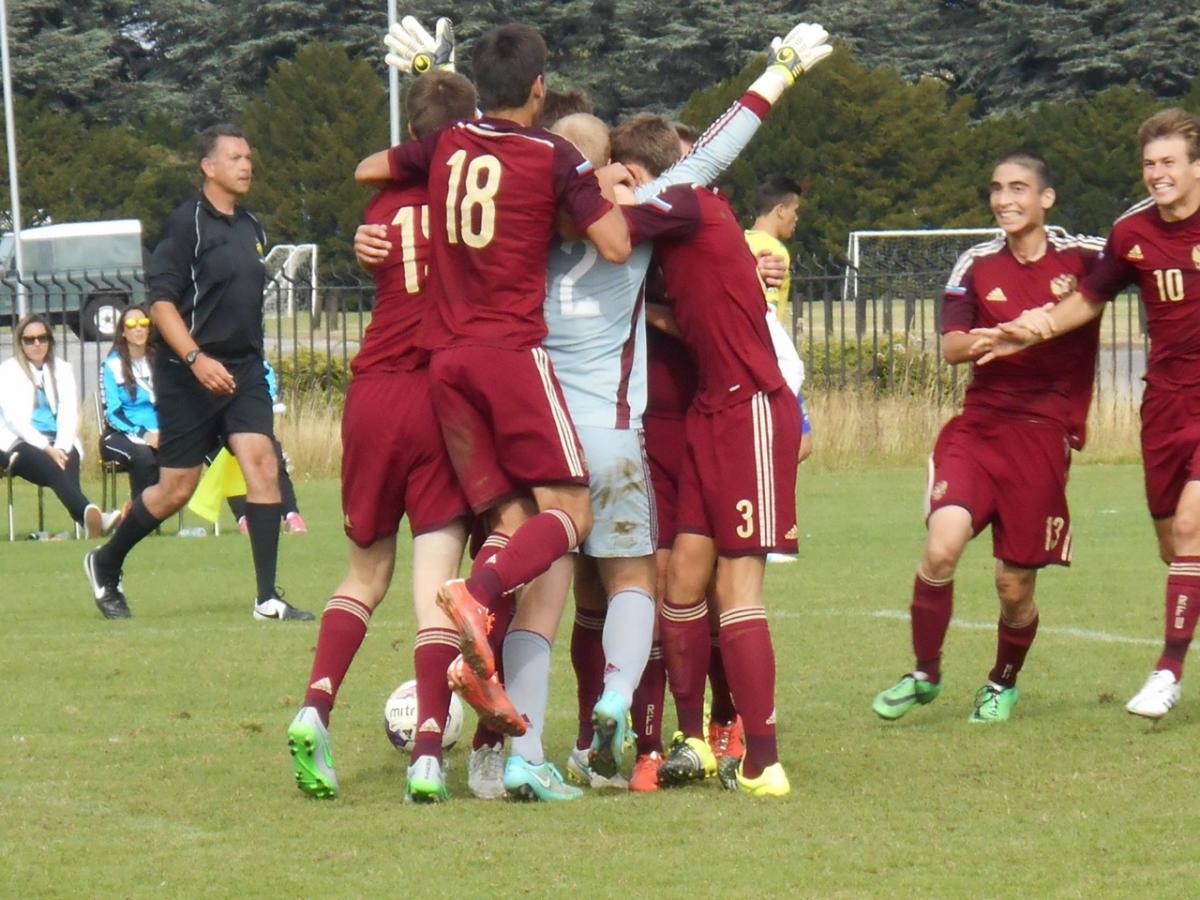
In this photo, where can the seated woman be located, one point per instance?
(39, 417)
(130, 428)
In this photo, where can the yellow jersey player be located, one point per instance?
(776, 211)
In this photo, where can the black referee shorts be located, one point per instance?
(192, 419)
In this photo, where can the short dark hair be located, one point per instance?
(506, 61)
(1172, 122)
(648, 140)
(1031, 161)
(560, 104)
(775, 190)
(438, 98)
(685, 132)
(207, 142)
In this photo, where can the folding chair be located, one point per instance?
(12, 522)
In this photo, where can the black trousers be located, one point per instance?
(139, 460)
(36, 466)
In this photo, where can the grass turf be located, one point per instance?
(149, 757)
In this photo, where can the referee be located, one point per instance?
(205, 282)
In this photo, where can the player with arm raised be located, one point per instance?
(1155, 245)
(393, 464)
(1004, 460)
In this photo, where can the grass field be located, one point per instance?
(148, 757)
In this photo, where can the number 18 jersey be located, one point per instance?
(495, 190)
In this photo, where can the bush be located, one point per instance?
(306, 371)
(888, 367)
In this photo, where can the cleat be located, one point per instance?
(993, 703)
(487, 697)
(473, 622)
(93, 522)
(1157, 696)
(111, 519)
(608, 735)
(312, 756)
(727, 740)
(275, 607)
(581, 773)
(426, 783)
(525, 781)
(294, 523)
(645, 772)
(772, 782)
(902, 696)
(688, 759)
(485, 772)
(107, 591)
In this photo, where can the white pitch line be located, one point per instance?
(1086, 634)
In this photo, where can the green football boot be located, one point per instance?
(609, 716)
(526, 781)
(993, 704)
(426, 783)
(902, 696)
(312, 756)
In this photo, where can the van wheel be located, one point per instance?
(101, 315)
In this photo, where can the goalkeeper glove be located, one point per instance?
(414, 50)
(805, 46)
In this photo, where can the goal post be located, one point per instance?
(291, 266)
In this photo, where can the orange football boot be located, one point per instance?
(473, 621)
(645, 772)
(487, 697)
(727, 740)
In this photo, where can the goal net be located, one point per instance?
(291, 278)
(914, 262)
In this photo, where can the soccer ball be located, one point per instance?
(400, 718)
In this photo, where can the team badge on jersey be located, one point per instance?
(995, 295)
(1135, 253)
(938, 491)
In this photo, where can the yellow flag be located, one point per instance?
(223, 479)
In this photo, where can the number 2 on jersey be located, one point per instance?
(405, 220)
(481, 182)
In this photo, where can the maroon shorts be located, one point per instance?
(666, 438)
(505, 422)
(738, 482)
(1170, 446)
(1010, 473)
(393, 459)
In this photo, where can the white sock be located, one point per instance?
(527, 681)
(628, 633)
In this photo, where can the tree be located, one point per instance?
(317, 117)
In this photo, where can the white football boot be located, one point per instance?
(1157, 696)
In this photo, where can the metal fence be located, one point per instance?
(882, 336)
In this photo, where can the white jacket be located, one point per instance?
(17, 402)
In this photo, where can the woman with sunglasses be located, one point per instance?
(39, 419)
(130, 435)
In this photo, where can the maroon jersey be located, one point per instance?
(1048, 381)
(713, 286)
(495, 189)
(390, 344)
(670, 375)
(1163, 259)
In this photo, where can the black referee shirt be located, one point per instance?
(210, 266)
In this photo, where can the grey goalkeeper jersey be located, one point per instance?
(594, 310)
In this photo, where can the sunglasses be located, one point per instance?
(30, 339)
(137, 323)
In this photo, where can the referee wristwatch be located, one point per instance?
(191, 356)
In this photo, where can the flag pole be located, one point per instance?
(10, 135)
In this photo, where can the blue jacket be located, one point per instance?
(132, 415)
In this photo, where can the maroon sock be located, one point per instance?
(721, 708)
(435, 649)
(1011, 646)
(343, 627)
(587, 658)
(530, 552)
(685, 644)
(750, 666)
(648, 703)
(932, 604)
(1182, 609)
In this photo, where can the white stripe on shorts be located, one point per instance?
(764, 467)
(562, 422)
